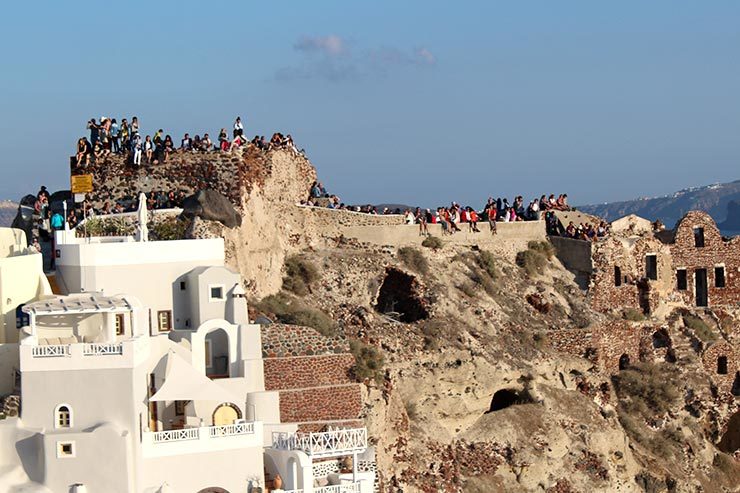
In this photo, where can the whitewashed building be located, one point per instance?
(146, 376)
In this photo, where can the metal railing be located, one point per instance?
(176, 435)
(324, 444)
(231, 430)
(55, 351)
(102, 349)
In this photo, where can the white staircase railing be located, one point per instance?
(324, 444)
(337, 488)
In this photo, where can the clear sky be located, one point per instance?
(394, 101)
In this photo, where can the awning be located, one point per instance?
(79, 304)
(182, 382)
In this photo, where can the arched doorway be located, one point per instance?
(217, 354)
(505, 398)
(213, 489)
(624, 361)
(226, 414)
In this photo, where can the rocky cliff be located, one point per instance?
(483, 367)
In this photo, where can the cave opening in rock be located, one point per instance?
(624, 362)
(730, 441)
(399, 295)
(661, 339)
(736, 384)
(506, 398)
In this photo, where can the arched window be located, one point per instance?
(63, 416)
(722, 365)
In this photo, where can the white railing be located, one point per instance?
(56, 351)
(337, 488)
(230, 430)
(324, 444)
(176, 435)
(102, 349)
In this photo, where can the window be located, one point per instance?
(719, 277)
(164, 320)
(617, 276)
(215, 293)
(21, 319)
(65, 450)
(63, 416)
(722, 365)
(119, 324)
(651, 267)
(699, 237)
(682, 280)
(183, 286)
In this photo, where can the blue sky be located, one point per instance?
(415, 102)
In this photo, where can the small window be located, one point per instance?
(65, 450)
(719, 277)
(22, 319)
(183, 286)
(119, 324)
(722, 365)
(651, 267)
(699, 237)
(682, 283)
(164, 320)
(216, 293)
(617, 276)
(63, 416)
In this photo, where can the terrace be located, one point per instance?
(202, 439)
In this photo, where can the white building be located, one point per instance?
(146, 376)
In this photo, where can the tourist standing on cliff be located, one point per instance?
(94, 131)
(134, 126)
(238, 128)
(114, 134)
(136, 147)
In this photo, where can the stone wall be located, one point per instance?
(605, 345)
(321, 404)
(281, 340)
(673, 251)
(308, 371)
(715, 252)
(711, 361)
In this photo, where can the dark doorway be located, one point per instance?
(701, 287)
(730, 441)
(661, 339)
(617, 276)
(624, 362)
(719, 277)
(643, 296)
(722, 365)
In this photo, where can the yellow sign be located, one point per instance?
(82, 183)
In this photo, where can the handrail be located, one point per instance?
(323, 444)
(102, 349)
(52, 351)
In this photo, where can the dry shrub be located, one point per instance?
(633, 315)
(413, 259)
(543, 247)
(432, 242)
(171, 228)
(300, 274)
(647, 389)
(290, 310)
(532, 261)
(700, 328)
(368, 361)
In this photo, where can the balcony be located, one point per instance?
(203, 439)
(335, 443)
(80, 356)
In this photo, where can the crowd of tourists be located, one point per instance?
(108, 136)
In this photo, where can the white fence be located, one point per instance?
(324, 444)
(102, 349)
(176, 435)
(56, 351)
(231, 430)
(209, 431)
(337, 488)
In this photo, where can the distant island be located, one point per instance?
(719, 200)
